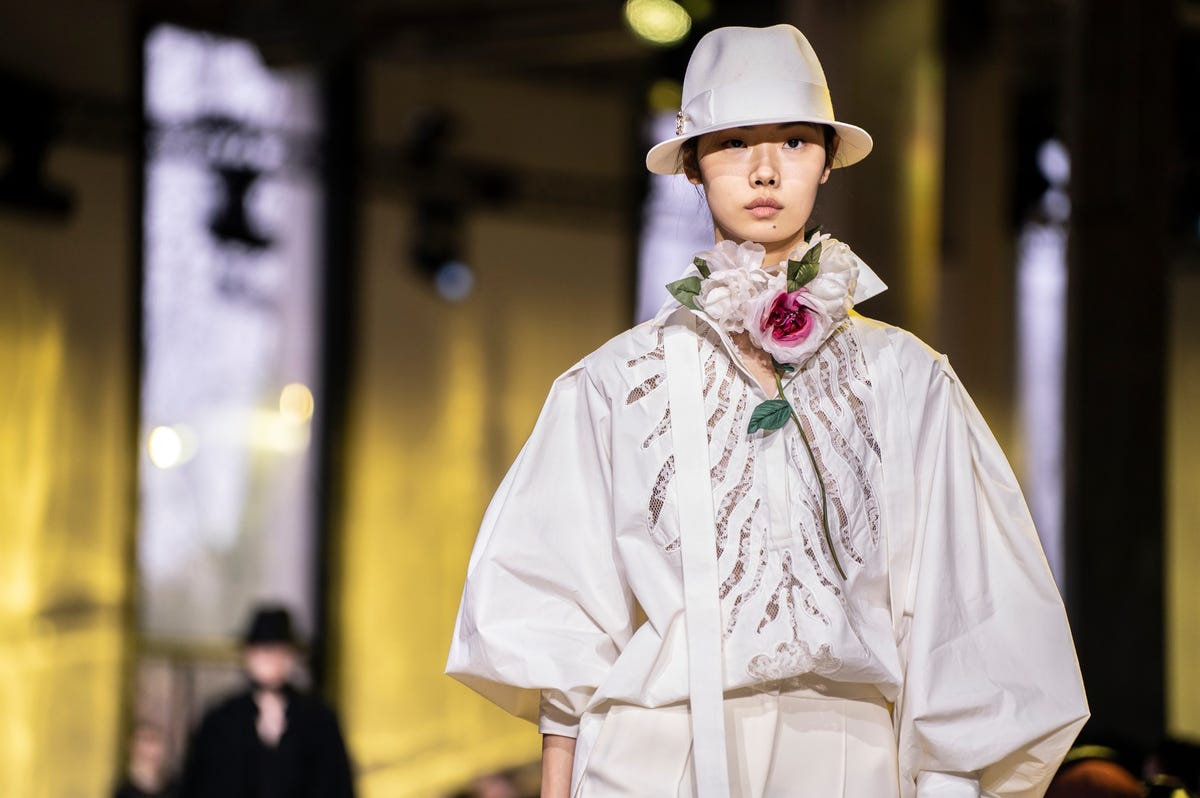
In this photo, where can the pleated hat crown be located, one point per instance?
(754, 76)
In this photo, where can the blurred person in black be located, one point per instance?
(270, 740)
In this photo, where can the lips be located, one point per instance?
(764, 207)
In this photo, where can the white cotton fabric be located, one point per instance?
(797, 741)
(948, 609)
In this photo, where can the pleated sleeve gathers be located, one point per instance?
(992, 696)
(546, 609)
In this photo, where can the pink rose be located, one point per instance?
(789, 326)
(789, 321)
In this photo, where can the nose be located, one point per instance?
(764, 171)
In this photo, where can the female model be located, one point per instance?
(762, 545)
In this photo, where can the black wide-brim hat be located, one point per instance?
(270, 624)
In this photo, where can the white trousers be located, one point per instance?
(834, 740)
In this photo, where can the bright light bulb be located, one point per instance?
(661, 22)
(165, 446)
(296, 402)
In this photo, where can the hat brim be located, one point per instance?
(855, 143)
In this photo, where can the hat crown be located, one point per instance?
(270, 624)
(736, 55)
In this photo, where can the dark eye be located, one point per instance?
(734, 143)
(793, 144)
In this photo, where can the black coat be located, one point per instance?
(227, 760)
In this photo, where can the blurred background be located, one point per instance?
(283, 284)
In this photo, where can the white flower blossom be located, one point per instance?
(737, 277)
(728, 255)
(740, 292)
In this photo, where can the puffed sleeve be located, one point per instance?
(993, 697)
(546, 609)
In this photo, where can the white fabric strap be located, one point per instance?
(702, 607)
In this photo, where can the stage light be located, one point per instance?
(296, 402)
(165, 446)
(171, 447)
(660, 22)
(454, 281)
(1054, 162)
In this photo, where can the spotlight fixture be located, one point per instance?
(28, 129)
(437, 225)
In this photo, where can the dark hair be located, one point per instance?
(688, 157)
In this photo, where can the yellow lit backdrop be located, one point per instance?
(65, 490)
(443, 398)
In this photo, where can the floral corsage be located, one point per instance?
(788, 310)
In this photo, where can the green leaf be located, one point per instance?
(685, 291)
(813, 255)
(801, 272)
(770, 415)
(702, 265)
(783, 368)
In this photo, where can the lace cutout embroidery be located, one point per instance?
(721, 467)
(844, 334)
(644, 389)
(664, 425)
(844, 450)
(739, 567)
(722, 399)
(786, 591)
(659, 352)
(658, 500)
(833, 410)
(857, 405)
(710, 373)
(827, 384)
(732, 499)
(739, 570)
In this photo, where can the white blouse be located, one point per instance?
(574, 592)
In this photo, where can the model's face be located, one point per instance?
(269, 665)
(761, 182)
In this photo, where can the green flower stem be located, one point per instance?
(813, 459)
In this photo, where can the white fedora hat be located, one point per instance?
(753, 76)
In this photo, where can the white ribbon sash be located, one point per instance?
(702, 607)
